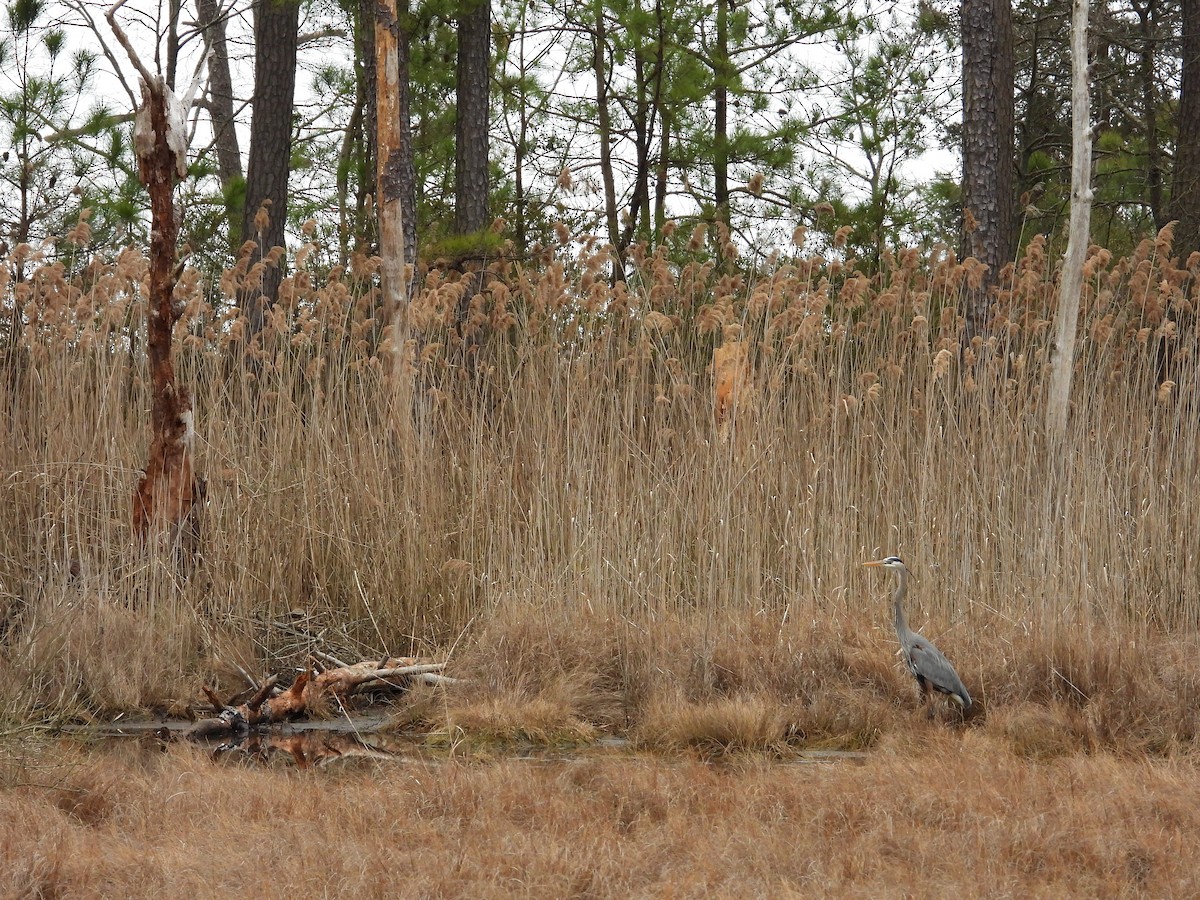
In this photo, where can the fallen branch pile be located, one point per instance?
(327, 680)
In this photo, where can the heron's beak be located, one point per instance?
(878, 562)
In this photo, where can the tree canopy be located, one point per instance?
(618, 118)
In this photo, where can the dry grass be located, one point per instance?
(945, 814)
(563, 513)
(731, 682)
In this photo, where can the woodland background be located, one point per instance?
(618, 120)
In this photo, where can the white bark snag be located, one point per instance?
(388, 168)
(1063, 360)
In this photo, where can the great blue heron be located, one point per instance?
(927, 663)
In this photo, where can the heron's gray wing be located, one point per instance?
(928, 662)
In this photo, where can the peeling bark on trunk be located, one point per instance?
(167, 496)
(389, 174)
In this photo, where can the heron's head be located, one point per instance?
(888, 562)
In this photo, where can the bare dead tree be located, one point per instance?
(166, 500)
(389, 163)
(1063, 361)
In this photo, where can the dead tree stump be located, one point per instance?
(167, 499)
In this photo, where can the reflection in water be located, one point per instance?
(304, 748)
(319, 747)
(310, 744)
(341, 742)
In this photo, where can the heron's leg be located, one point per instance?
(927, 699)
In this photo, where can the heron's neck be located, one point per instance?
(898, 600)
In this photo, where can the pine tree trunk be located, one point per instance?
(721, 68)
(600, 71)
(471, 129)
(988, 194)
(368, 186)
(1148, 25)
(1185, 194)
(220, 94)
(408, 170)
(276, 35)
(662, 173)
(650, 69)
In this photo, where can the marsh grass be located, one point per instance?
(930, 812)
(559, 507)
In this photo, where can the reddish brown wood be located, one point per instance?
(167, 495)
(291, 704)
(390, 162)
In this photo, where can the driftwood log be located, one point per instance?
(311, 693)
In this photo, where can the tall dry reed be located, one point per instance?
(562, 463)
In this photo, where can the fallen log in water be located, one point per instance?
(329, 679)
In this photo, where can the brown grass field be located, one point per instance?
(933, 814)
(635, 511)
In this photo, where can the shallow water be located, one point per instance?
(338, 744)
